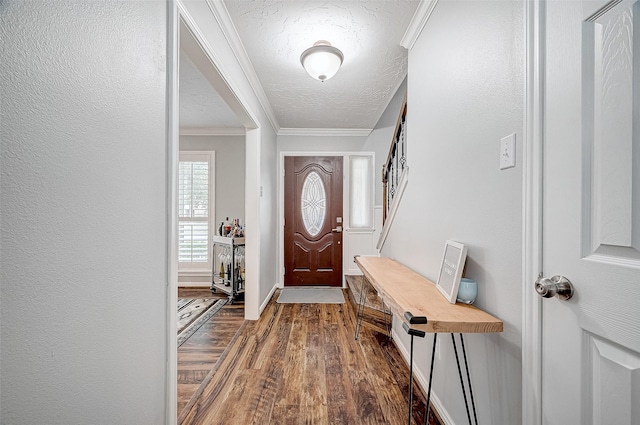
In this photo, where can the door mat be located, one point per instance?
(311, 296)
(193, 313)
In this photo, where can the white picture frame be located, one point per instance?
(453, 259)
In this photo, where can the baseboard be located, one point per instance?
(423, 382)
(267, 299)
(194, 285)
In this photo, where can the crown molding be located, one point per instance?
(212, 131)
(226, 87)
(333, 132)
(221, 15)
(418, 22)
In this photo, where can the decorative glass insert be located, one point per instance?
(313, 203)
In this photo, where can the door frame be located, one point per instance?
(532, 241)
(228, 88)
(345, 203)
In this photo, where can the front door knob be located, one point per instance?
(557, 285)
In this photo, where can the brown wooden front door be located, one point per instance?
(313, 221)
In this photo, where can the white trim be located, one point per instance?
(212, 131)
(224, 84)
(194, 285)
(360, 230)
(252, 221)
(266, 300)
(532, 214)
(220, 80)
(418, 22)
(402, 185)
(173, 154)
(422, 380)
(333, 132)
(221, 14)
(187, 269)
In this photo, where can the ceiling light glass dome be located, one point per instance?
(321, 61)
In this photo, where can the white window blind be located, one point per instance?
(361, 191)
(195, 195)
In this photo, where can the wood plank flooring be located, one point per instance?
(198, 355)
(299, 364)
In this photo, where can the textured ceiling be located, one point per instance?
(201, 108)
(274, 34)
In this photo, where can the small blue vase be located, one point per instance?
(467, 291)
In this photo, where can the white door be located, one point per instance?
(591, 212)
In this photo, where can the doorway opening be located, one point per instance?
(206, 119)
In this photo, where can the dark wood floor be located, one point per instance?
(199, 354)
(299, 364)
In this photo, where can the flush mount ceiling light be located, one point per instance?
(321, 61)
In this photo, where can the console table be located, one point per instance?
(425, 310)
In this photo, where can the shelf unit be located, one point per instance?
(230, 253)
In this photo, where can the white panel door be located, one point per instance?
(591, 217)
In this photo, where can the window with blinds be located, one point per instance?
(195, 210)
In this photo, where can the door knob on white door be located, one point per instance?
(557, 285)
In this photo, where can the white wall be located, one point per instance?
(268, 215)
(465, 92)
(230, 170)
(83, 217)
(379, 141)
(321, 143)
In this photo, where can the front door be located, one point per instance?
(313, 221)
(591, 212)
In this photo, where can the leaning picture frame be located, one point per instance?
(453, 259)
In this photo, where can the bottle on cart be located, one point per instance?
(227, 227)
(221, 270)
(239, 277)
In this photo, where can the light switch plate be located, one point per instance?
(508, 152)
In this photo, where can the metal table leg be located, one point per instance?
(433, 358)
(361, 306)
(387, 322)
(412, 332)
(466, 366)
(464, 393)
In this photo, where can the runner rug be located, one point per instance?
(193, 313)
(298, 295)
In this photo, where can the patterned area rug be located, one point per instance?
(193, 313)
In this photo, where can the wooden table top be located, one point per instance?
(404, 290)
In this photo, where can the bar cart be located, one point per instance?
(228, 266)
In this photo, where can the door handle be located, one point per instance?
(557, 285)
(338, 229)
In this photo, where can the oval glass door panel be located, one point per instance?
(313, 203)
